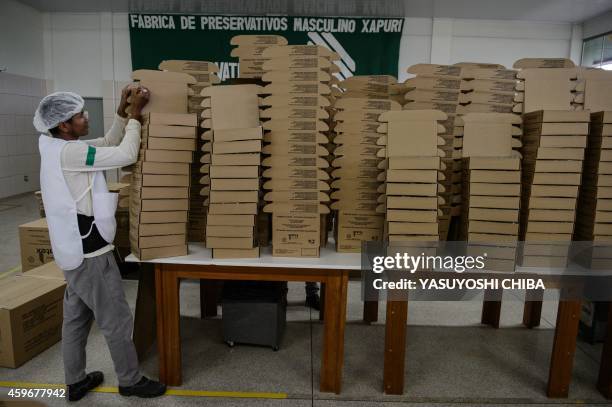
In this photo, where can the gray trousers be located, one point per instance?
(94, 291)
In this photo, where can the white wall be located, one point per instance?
(101, 46)
(21, 88)
(84, 49)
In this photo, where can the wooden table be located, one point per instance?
(331, 269)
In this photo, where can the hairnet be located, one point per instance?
(56, 108)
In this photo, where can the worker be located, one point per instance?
(81, 217)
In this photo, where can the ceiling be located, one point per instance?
(533, 10)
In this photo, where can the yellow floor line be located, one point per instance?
(170, 392)
(11, 271)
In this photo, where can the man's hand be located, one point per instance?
(139, 99)
(123, 104)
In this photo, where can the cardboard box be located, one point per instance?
(168, 156)
(148, 167)
(48, 270)
(159, 217)
(554, 191)
(489, 214)
(229, 231)
(252, 133)
(295, 234)
(34, 244)
(156, 180)
(230, 147)
(233, 196)
(163, 192)
(227, 171)
(167, 143)
(550, 227)
(145, 242)
(483, 201)
(30, 317)
(160, 252)
(152, 205)
(230, 220)
(229, 242)
(157, 229)
(167, 131)
(238, 208)
(239, 184)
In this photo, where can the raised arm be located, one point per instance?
(85, 157)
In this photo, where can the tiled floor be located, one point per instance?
(451, 359)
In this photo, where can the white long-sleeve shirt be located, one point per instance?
(118, 148)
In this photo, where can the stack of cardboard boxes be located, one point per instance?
(232, 169)
(411, 198)
(485, 88)
(553, 151)
(159, 191)
(356, 185)
(249, 52)
(159, 188)
(205, 75)
(299, 92)
(594, 214)
(491, 188)
(541, 87)
(438, 87)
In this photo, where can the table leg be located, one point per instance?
(491, 309)
(564, 347)
(332, 357)
(168, 329)
(144, 315)
(395, 347)
(604, 382)
(532, 311)
(208, 298)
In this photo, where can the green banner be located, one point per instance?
(368, 46)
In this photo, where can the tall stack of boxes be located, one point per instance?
(594, 214)
(356, 185)
(232, 169)
(159, 192)
(411, 198)
(205, 75)
(491, 188)
(438, 87)
(299, 92)
(485, 88)
(249, 52)
(553, 151)
(159, 189)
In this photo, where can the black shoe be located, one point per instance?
(145, 388)
(78, 390)
(313, 301)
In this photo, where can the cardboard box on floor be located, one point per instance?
(30, 317)
(34, 244)
(48, 270)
